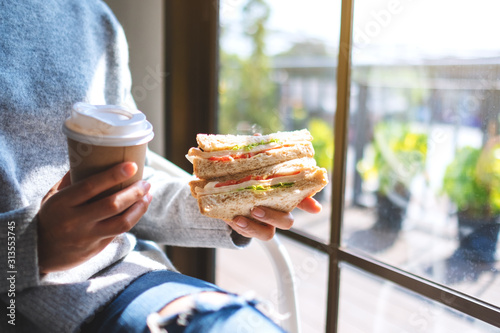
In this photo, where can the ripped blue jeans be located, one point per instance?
(148, 294)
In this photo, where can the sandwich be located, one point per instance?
(279, 186)
(221, 155)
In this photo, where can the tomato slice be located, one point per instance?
(234, 182)
(226, 158)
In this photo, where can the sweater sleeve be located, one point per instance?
(18, 250)
(174, 218)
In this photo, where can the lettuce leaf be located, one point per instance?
(253, 145)
(266, 187)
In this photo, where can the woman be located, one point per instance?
(80, 265)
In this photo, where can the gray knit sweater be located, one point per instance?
(54, 53)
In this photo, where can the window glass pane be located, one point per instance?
(370, 304)
(423, 175)
(278, 73)
(251, 269)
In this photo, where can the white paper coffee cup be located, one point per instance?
(101, 136)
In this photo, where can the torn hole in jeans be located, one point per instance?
(157, 323)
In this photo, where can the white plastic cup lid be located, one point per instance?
(107, 125)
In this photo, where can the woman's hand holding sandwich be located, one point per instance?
(266, 220)
(253, 182)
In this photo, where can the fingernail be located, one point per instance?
(241, 223)
(146, 186)
(129, 169)
(257, 212)
(148, 197)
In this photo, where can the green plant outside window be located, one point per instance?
(472, 181)
(396, 155)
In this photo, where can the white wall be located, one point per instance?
(142, 21)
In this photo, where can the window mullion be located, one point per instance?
(338, 187)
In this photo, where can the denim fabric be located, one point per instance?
(237, 315)
(151, 292)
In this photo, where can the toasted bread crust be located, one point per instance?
(196, 183)
(207, 169)
(226, 206)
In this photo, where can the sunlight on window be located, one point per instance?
(424, 119)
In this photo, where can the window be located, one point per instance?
(424, 128)
(410, 224)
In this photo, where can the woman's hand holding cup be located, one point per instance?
(72, 228)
